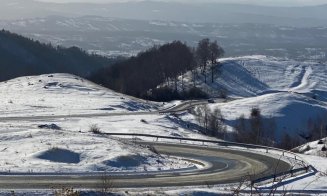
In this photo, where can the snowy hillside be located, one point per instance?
(62, 94)
(316, 148)
(254, 75)
(41, 130)
(290, 92)
(291, 112)
(45, 123)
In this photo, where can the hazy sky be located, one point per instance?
(261, 2)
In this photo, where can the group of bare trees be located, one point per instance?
(137, 75)
(255, 129)
(207, 53)
(258, 130)
(316, 128)
(288, 142)
(141, 75)
(211, 121)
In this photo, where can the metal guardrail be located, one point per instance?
(223, 143)
(292, 172)
(306, 167)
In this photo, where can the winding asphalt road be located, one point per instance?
(181, 107)
(220, 166)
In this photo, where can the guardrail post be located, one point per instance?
(252, 184)
(283, 153)
(266, 150)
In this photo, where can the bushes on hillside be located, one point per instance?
(167, 94)
(195, 93)
(162, 94)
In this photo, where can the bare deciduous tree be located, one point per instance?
(203, 55)
(106, 184)
(216, 123)
(215, 52)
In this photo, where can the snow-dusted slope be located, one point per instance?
(315, 148)
(249, 76)
(290, 111)
(283, 75)
(290, 92)
(62, 94)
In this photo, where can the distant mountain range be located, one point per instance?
(172, 11)
(112, 36)
(20, 56)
